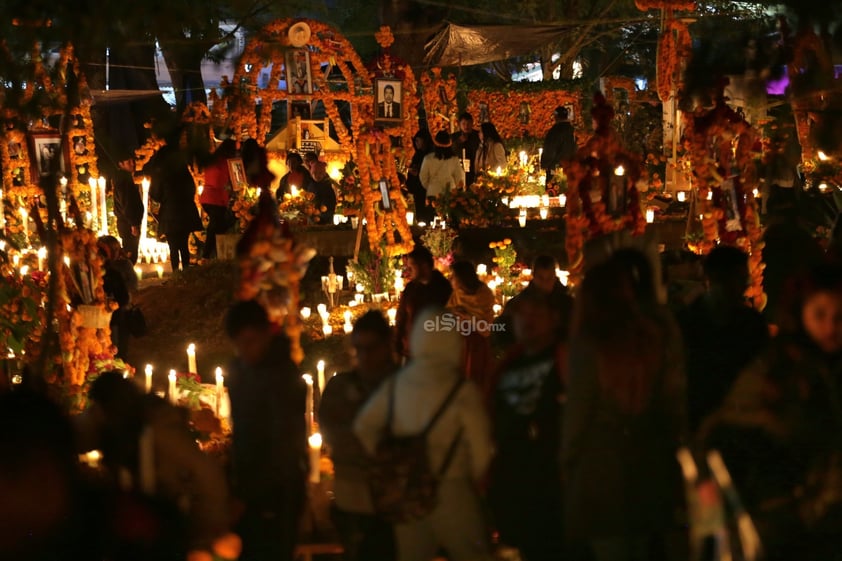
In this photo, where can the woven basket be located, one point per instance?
(94, 317)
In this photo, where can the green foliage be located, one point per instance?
(374, 270)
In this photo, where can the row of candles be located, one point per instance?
(315, 389)
(192, 367)
(347, 327)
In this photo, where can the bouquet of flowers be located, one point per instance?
(300, 208)
(20, 302)
(374, 270)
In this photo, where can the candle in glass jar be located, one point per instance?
(191, 359)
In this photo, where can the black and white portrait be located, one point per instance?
(46, 148)
(299, 79)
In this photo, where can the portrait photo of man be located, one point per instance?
(389, 100)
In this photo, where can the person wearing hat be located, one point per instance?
(442, 170)
(128, 206)
(559, 144)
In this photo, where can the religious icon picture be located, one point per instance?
(14, 150)
(388, 101)
(732, 211)
(80, 145)
(48, 152)
(299, 77)
(384, 194)
(237, 174)
(484, 114)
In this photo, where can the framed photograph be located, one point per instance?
(300, 109)
(237, 174)
(732, 211)
(15, 150)
(80, 145)
(384, 194)
(46, 147)
(299, 79)
(388, 101)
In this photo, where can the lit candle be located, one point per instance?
(524, 159)
(315, 442)
(148, 372)
(545, 200)
(710, 195)
(191, 359)
(220, 389)
(293, 190)
(681, 196)
(348, 328)
(756, 193)
(94, 215)
(543, 213)
(320, 372)
(310, 406)
(160, 270)
(327, 330)
(410, 218)
(139, 272)
(360, 288)
(305, 313)
(42, 256)
(66, 261)
(63, 200)
(650, 216)
(322, 308)
(171, 389)
(350, 274)
(562, 200)
(521, 219)
(526, 272)
(103, 225)
(393, 314)
(359, 298)
(337, 219)
(497, 309)
(24, 270)
(499, 171)
(24, 218)
(144, 187)
(482, 270)
(399, 286)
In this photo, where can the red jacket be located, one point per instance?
(215, 191)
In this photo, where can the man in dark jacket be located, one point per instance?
(128, 207)
(466, 144)
(323, 189)
(714, 356)
(428, 288)
(269, 444)
(559, 144)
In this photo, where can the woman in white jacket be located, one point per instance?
(441, 170)
(457, 523)
(491, 155)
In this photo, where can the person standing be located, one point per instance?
(427, 288)
(173, 187)
(128, 207)
(466, 144)
(430, 395)
(559, 144)
(364, 535)
(324, 190)
(269, 442)
(473, 304)
(491, 154)
(624, 418)
(526, 399)
(296, 176)
(215, 194)
(423, 143)
(441, 171)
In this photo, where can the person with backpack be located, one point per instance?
(365, 536)
(430, 437)
(526, 489)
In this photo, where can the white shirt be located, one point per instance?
(438, 176)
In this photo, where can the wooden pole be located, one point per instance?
(359, 239)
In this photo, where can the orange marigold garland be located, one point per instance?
(722, 147)
(604, 175)
(271, 267)
(439, 100)
(505, 110)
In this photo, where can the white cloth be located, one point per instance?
(494, 157)
(437, 176)
(420, 389)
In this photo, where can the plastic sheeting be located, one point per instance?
(458, 45)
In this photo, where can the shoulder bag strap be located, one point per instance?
(451, 452)
(450, 397)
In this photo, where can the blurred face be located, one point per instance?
(533, 325)
(466, 125)
(822, 320)
(419, 143)
(544, 280)
(416, 270)
(374, 355)
(252, 344)
(389, 95)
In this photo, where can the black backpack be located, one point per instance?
(404, 487)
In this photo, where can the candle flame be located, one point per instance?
(171, 376)
(148, 369)
(315, 441)
(620, 171)
(307, 379)
(219, 377)
(191, 349)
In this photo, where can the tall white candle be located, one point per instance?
(171, 390)
(220, 389)
(320, 367)
(103, 225)
(62, 204)
(309, 406)
(315, 442)
(191, 359)
(148, 372)
(144, 186)
(94, 197)
(42, 256)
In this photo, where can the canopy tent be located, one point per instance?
(460, 45)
